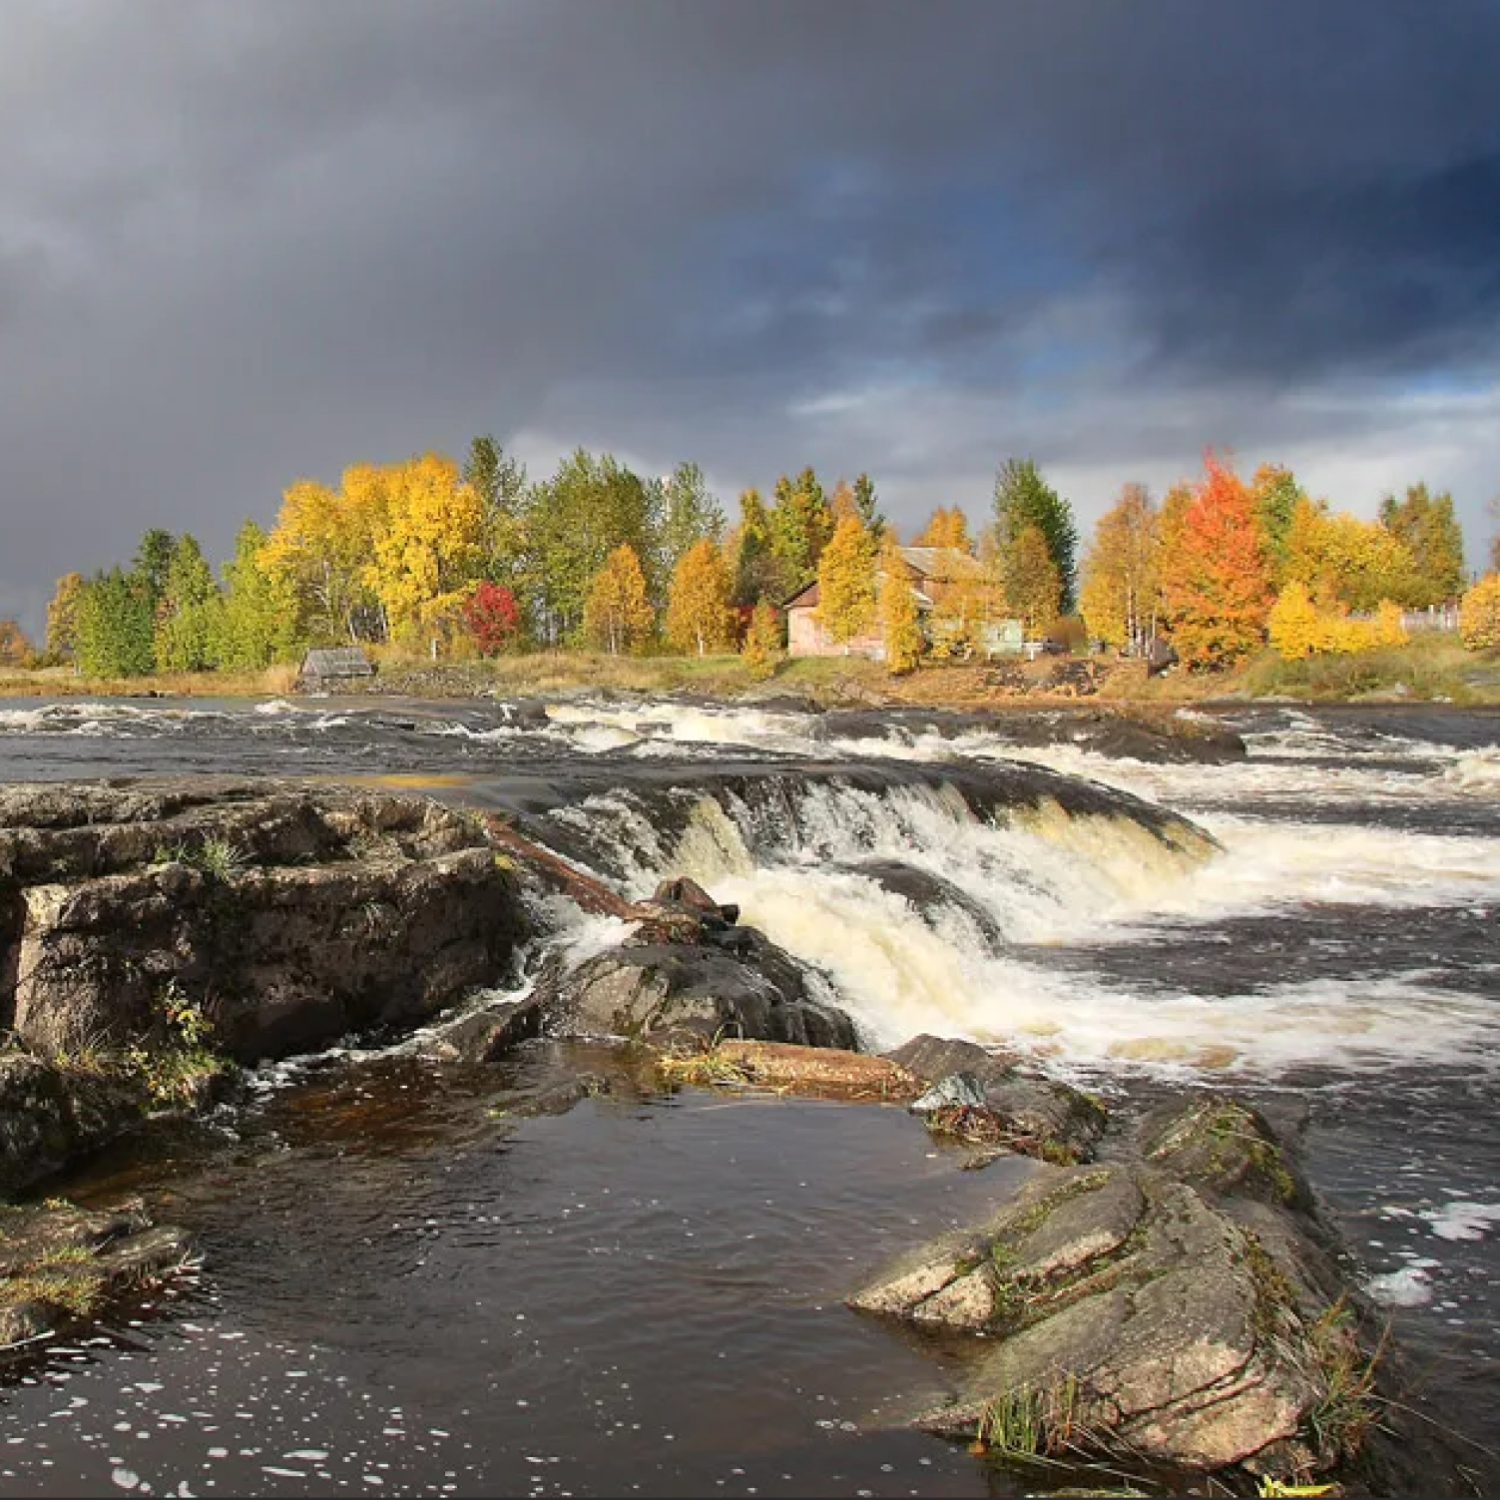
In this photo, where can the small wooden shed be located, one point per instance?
(327, 669)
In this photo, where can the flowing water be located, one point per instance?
(409, 1288)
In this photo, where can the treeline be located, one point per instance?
(457, 561)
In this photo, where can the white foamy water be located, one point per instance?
(903, 966)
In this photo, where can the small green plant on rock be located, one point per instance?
(176, 1072)
(1341, 1421)
(1031, 1425)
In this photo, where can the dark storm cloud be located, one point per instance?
(239, 243)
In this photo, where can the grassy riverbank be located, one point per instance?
(1430, 668)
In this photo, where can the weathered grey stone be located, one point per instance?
(757, 994)
(1224, 1147)
(1168, 1331)
(285, 914)
(686, 967)
(1052, 1119)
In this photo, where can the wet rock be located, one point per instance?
(61, 1265)
(489, 1034)
(1129, 1316)
(1224, 1148)
(930, 895)
(1026, 1112)
(687, 968)
(49, 1116)
(956, 1091)
(753, 990)
(278, 915)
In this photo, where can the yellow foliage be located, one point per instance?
(846, 581)
(1299, 629)
(618, 613)
(698, 614)
(428, 549)
(1479, 614)
(762, 649)
(900, 621)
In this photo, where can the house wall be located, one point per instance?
(806, 637)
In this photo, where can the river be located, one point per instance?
(412, 1287)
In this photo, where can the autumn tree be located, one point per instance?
(318, 550)
(755, 569)
(801, 526)
(900, 618)
(591, 507)
(491, 617)
(15, 649)
(691, 513)
(1479, 615)
(1298, 627)
(846, 581)
(188, 614)
(428, 551)
(1033, 588)
(946, 527)
(1343, 560)
(1216, 590)
(841, 502)
(617, 612)
(1275, 493)
(1121, 572)
(258, 624)
(763, 648)
(62, 616)
(499, 482)
(698, 614)
(1025, 501)
(1427, 525)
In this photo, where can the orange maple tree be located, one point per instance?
(1216, 580)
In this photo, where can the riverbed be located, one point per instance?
(410, 1288)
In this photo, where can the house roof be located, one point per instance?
(337, 661)
(942, 563)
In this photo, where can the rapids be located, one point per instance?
(1313, 926)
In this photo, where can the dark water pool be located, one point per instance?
(410, 1291)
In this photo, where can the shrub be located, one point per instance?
(1479, 614)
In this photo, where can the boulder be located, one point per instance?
(1124, 1315)
(688, 968)
(1181, 1305)
(276, 916)
(49, 1117)
(1025, 1111)
(754, 990)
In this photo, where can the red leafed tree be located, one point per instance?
(1216, 582)
(491, 617)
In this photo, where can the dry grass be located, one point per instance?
(1431, 666)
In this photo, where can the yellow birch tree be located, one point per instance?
(900, 620)
(846, 581)
(618, 613)
(698, 614)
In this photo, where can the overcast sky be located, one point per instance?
(240, 243)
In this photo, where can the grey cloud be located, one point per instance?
(240, 243)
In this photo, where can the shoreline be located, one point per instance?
(1423, 673)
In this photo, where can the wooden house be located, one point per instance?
(936, 574)
(327, 669)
